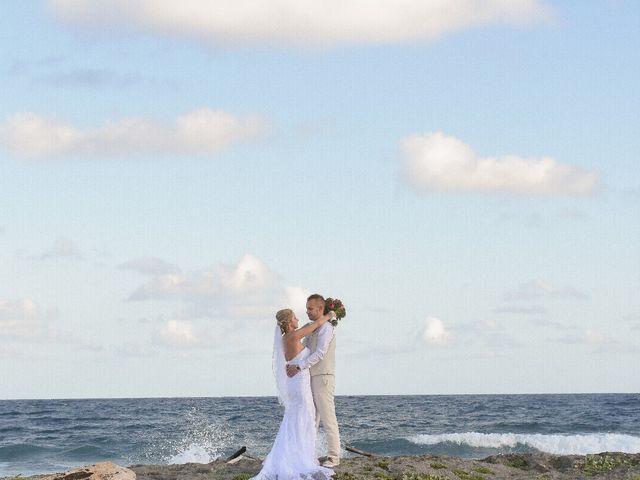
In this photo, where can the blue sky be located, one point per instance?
(465, 179)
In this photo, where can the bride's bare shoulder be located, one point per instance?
(289, 337)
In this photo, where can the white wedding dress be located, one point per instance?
(293, 455)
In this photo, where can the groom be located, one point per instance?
(322, 365)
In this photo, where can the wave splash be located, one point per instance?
(202, 441)
(194, 453)
(557, 444)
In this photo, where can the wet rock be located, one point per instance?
(98, 471)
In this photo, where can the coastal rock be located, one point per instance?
(526, 466)
(98, 471)
(521, 466)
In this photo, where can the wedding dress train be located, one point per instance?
(293, 455)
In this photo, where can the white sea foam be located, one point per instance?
(557, 444)
(203, 441)
(192, 454)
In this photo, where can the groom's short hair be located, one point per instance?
(317, 297)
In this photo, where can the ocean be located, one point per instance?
(44, 436)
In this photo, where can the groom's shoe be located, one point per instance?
(331, 462)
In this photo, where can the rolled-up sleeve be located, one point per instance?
(325, 335)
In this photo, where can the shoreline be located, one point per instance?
(538, 466)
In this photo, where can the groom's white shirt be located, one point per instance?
(325, 335)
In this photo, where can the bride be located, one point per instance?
(293, 455)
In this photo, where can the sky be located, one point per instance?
(463, 175)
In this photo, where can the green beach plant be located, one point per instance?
(345, 476)
(383, 476)
(483, 469)
(422, 476)
(242, 476)
(463, 474)
(518, 462)
(595, 464)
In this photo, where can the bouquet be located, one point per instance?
(337, 306)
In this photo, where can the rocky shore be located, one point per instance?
(609, 466)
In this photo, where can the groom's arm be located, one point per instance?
(325, 335)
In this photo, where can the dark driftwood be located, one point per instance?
(358, 451)
(237, 454)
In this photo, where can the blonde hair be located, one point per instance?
(284, 318)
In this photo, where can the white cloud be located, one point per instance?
(296, 299)
(62, 248)
(540, 289)
(250, 274)
(490, 337)
(23, 320)
(602, 342)
(596, 338)
(435, 331)
(300, 22)
(169, 285)
(179, 333)
(247, 289)
(150, 266)
(31, 136)
(202, 131)
(435, 162)
(586, 337)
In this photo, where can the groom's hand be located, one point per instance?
(292, 370)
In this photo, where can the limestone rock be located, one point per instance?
(98, 471)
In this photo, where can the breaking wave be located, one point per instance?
(557, 444)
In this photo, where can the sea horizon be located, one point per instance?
(337, 395)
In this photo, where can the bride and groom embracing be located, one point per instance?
(304, 367)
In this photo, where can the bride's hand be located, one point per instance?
(328, 316)
(312, 327)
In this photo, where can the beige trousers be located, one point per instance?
(323, 388)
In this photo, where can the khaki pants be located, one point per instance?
(323, 388)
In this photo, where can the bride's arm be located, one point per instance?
(312, 326)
